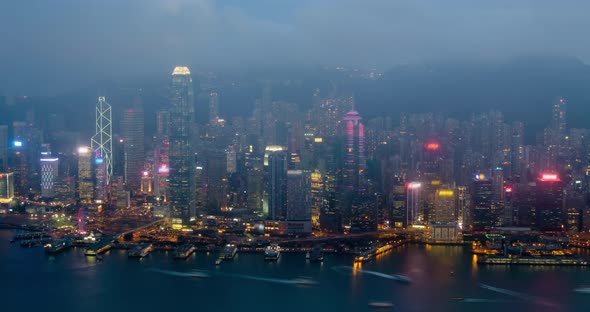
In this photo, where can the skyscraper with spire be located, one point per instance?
(181, 177)
(102, 141)
(355, 164)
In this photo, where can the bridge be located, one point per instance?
(139, 228)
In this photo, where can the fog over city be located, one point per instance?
(54, 46)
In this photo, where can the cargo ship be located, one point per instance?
(140, 250)
(229, 252)
(97, 249)
(272, 252)
(184, 251)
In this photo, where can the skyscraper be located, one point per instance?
(485, 214)
(558, 122)
(354, 163)
(3, 147)
(6, 187)
(213, 106)
(549, 203)
(49, 172)
(276, 182)
(102, 141)
(181, 177)
(444, 206)
(132, 127)
(298, 195)
(85, 176)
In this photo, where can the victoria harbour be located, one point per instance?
(443, 278)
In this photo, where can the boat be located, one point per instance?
(316, 254)
(58, 246)
(218, 261)
(229, 252)
(307, 255)
(458, 299)
(140, 251)
(582, 290)
(272, 252)
(99, 258)
(184, 251)
(380, 305)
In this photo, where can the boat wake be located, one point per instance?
(585, 290)
(193, 274)
(296, 281)
(518, 295)
(395, 277)
(482, 300)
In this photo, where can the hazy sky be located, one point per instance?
(48, 45)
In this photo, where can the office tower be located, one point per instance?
(318, 196)
(30, 139)
(85, 176)
(558, 121)
(132, 128)
(102, 141)
(214, 162)
(354, 163)
(162, 153)
(517, 148)
(6, 187)
(397, 203)
(255, 188)
(463, 216)
(19, 165)
(276, 181)
(101, 185)
(549, 203)
(49, 172)
(485, 214)
(181, 177)
(298, 195)
(3, 147)
(414, 209)
(213, 107)
(444, 206)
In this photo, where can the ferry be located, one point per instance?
(229, 252)
(58, 246)
(184, 251)
(218, 261)
(272, 252)
(316, 254)
(140, 250)
(97, 249)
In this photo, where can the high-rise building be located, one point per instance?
(49, 172)
(102, 141)
(213, 106)
(550, 205)
(6, 187)
(318, 196)
(132, 126)
(276, 182)
(85, 176)
(3, 147)
(181, 177)
(558, 121)
(444, 206)
(354, 163)
(298, 195)
(19, 165)
(485, 213)
(397, 202)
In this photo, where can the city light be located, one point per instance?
(432, 146)
(83, 150)
(508, 190)
(550, 177)
(480, 177)
(446, 193)
(414, 185)
(18, 143)
(98, 161)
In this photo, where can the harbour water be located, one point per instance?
(443, 278)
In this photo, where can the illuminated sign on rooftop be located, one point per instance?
(18, 143)
(432, 146)
(549, 177)
(446, 193)
(414, 185)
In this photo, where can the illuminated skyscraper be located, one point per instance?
(354, 163)
(85, 176)
(181, 177)
(550, 203)
(558, 122)
(132, 127)
(485, 213)
(102, 141)
(49, 172)
(444, 206)
(6, 187)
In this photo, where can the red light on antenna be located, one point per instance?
(432, 146)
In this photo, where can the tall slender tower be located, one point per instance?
(181, 177)
(102, 141)
(132, 126)
(354, 163)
